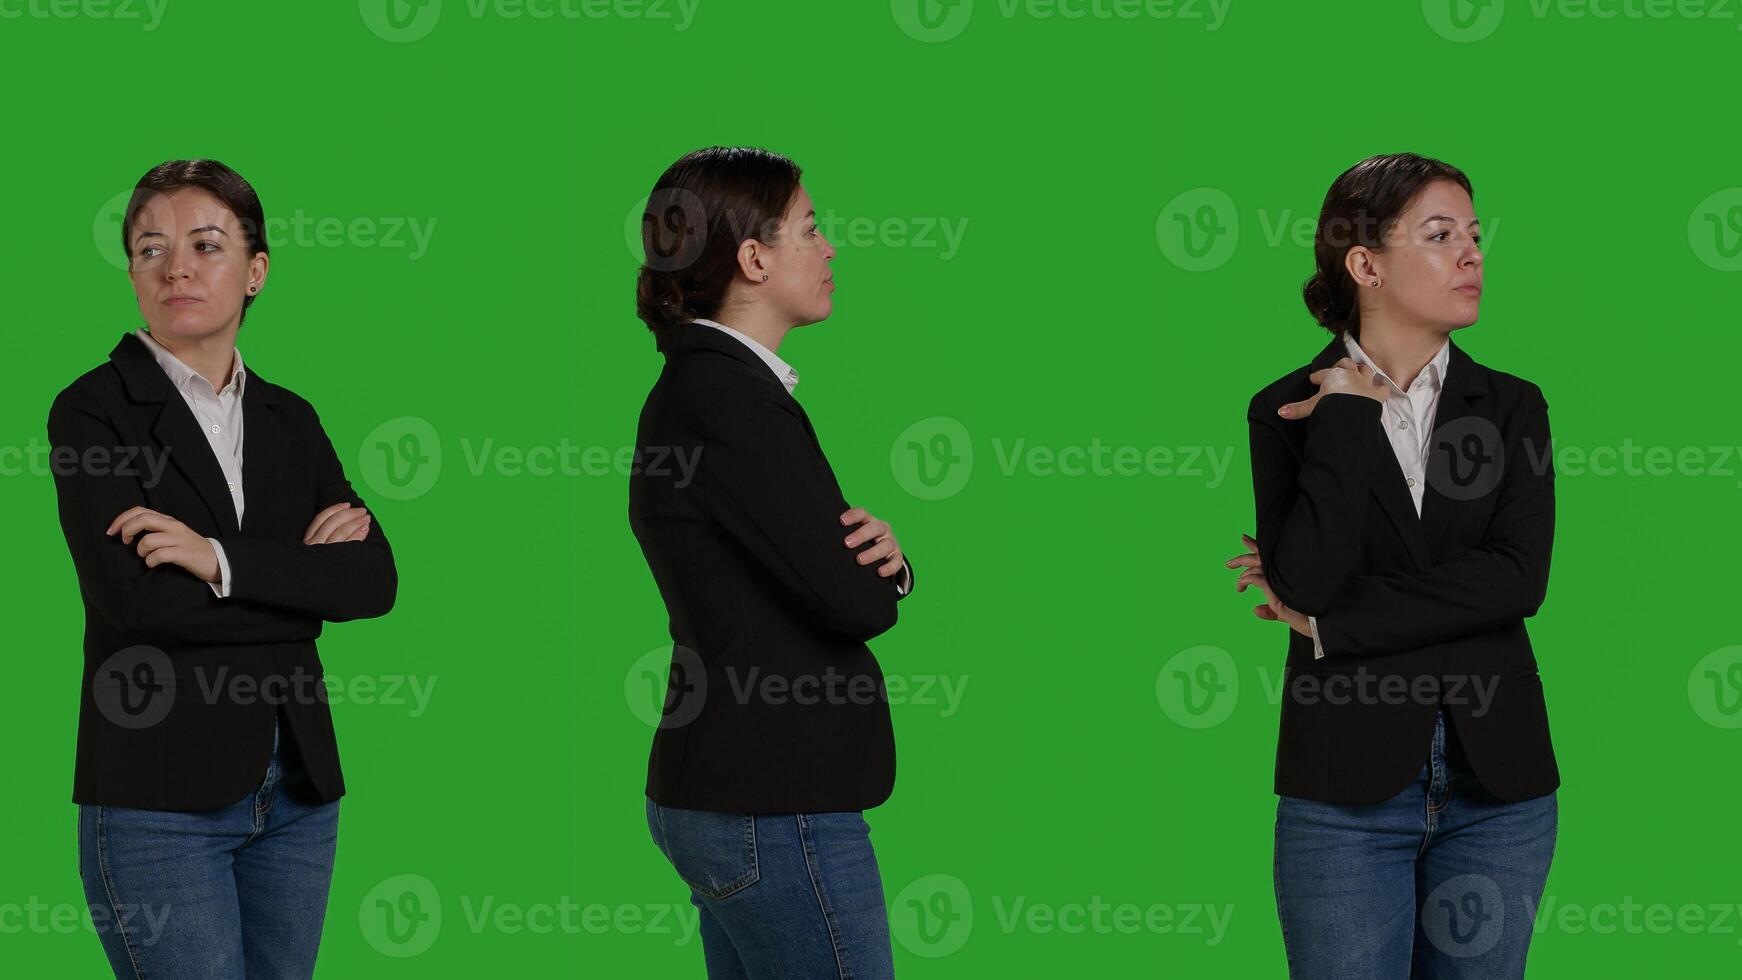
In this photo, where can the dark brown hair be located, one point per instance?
(1361, 207)
(700, 210)
(215, 179)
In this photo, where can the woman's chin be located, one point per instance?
(1463, 314)
(192, 323)
(818, 314)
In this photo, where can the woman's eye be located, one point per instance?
(214, 245)
(1440, 236)
(146, 252)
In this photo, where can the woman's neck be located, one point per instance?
(1401, 351)
(755, 324)
(213, 357)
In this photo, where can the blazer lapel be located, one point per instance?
(1389, 487)
(264, 437)
(1399, 505)
(805, 417)
(176, 430)
(1461, 397)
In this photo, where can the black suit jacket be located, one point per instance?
(774, 703)
(1424, 611)
(180, 686)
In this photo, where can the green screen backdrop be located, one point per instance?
(1071, 238)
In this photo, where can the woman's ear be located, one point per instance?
(1360, 262)
(750, 264)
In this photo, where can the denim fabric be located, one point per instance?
(791, 896)
(1440, 881)
(233, 894)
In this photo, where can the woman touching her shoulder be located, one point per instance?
(1405, 509)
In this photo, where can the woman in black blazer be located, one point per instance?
(1404, 532)
(212, 531)
(775, 733)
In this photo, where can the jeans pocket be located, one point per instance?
(714, 853)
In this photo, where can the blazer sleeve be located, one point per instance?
(1502, 581)
(160, 603)
(772, 490)
(334, 582)
(1311, 507)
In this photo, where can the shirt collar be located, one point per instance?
(180, 374)
(781, 369)
(1432, 376)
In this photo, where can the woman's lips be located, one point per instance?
(1470, 290)
(180, 301)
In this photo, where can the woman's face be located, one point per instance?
(190, 265)
(800, 285)
(1431, 269)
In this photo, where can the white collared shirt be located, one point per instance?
(219, 414)
(789, 378)
(1407, 416)
(781, 369)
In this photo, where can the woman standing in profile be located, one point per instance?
(775, 734)
(1404, 533)
(207, 774)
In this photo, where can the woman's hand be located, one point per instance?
(886, 549)
(1343, 376)
(166, 541)
(1272, 607)
(337, 524)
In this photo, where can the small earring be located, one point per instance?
(1375, 282)
(253, 289)
(764, 277)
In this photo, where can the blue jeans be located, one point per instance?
(233, 894)
(792, 896)
(1440, 881)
